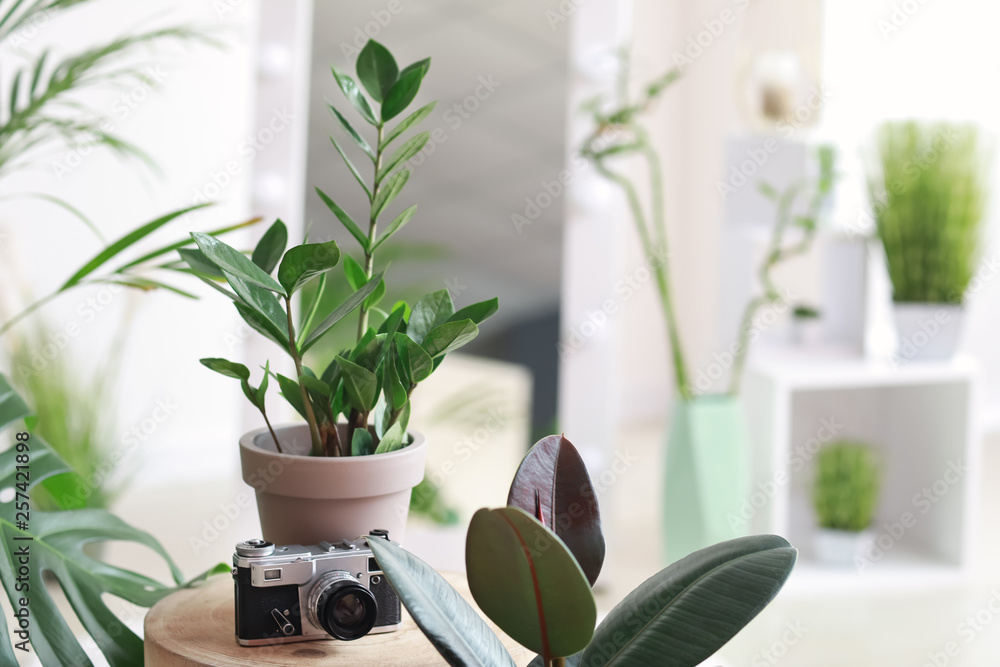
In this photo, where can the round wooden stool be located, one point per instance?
(195, 627)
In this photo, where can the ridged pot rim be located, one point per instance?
(249, 444)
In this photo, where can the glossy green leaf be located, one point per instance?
(404, 90)
(362, 443)
(354, 95)
(303, 263)
(314, 384)
(477, 312)
(271, 247)
(395, 393)
(353, 134)
(346, 220)
(418, 363)
(360, 383)
(395, 226)
(262, 301)
(449, 336)
(262, 325)
(340, 312)
(354, 170)
(123, 243)
(355, 274)
(225, 367)
(235, 262)
(389, 190)
(375, 297)
(525, 579)
(430, 311)
(200, 263)
(409, 122)
(459, 634)
(261, 393)
(552, 484)
(410, 148)
(377, 69)
(392, 440)
(688, 611)
(290, 392)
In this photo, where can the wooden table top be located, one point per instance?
(195, 628)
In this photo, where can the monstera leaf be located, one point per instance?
(54, 543)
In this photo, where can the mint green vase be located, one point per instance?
(707, 474)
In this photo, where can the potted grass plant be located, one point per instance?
(927, 183)
(351, 466)
(845, 494)
(708, 453)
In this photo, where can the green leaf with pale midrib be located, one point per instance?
(458, 633)
(682, 615)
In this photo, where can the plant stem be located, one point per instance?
(372, 228)
(269, 428)
(317, 443)
(558, 662)
(659, 270)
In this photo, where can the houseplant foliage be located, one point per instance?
(927, 183)
(529, 582)
(392, 355)
(846, 487)
(845, 494)
(56, 548)
(43, 111)
(708, 450)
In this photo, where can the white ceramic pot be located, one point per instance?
(807, 331)
(304, 499)
(840, 548)
(927, 330)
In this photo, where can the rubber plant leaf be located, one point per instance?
(459, 634)
(682, 615)
(526, 580)
(552, 484)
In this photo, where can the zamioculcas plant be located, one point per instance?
(55, 544)
(394, 349)
(531, 565)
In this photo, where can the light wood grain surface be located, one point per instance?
(195, 628)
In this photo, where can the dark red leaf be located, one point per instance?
(552, 484)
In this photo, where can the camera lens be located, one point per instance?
(345, 608)
(349, 611)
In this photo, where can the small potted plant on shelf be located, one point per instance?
(806, 325)
(845, 494)
(531, 566)
(927, 184)
(353, 463)
(708, 460)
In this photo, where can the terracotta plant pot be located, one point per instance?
(304, 499)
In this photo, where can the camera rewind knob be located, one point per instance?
(255, 547)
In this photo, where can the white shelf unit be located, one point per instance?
(920, 418)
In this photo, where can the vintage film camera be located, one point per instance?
(332, 590)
